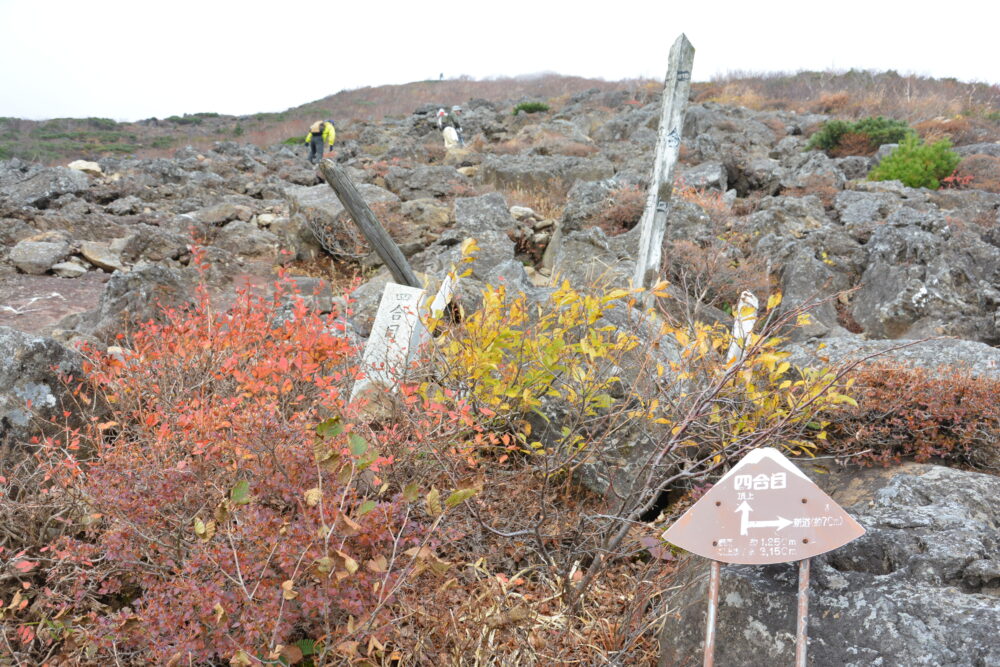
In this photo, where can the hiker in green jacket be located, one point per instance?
(321, 133)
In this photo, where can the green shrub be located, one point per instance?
(917, 165)
(882, 130)
(828, 137)
(185, 120)
(102, 123)
(531, 107)
(878, 130)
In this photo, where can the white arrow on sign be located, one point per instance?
(745, 522)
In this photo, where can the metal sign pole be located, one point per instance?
(763, 511)
(713, 606)
(801, 637)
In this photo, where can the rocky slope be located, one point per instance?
(85, 252)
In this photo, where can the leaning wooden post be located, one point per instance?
(369, 225)
(668, 143)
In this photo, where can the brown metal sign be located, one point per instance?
(764, 510)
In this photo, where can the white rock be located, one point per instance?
(522, 212)
(68, 269)
(91, 168)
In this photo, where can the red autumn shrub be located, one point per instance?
(980, 172)
(913, 412)
(220, 523)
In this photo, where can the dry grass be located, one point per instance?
(507, 608)
(717, 270)
(548, 204)
(854, 94)
(375, 102)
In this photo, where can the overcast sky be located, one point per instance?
(135, 59)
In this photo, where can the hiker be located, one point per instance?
(451, 127)
(321, 132)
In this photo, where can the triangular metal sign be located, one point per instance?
(764, 510)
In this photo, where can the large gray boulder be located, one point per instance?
(816, 171)
(32, 396)
(589, 258)
(424, 182)
(921, 587)
(153, 244)
(247, 240)
(37, 257)
(318, 216)
(707, 175)
(978, 359)
(130, 299)
(221, 213)
(861, 212)
(43, 186)
(486, 219)
(925, 279)
(584, 201)
(542, 172)
(979, 149)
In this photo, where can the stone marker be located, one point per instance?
(396, 330)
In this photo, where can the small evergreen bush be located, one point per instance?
(882, 130)
(877, 130)
(917, 165)
(828, 137)
(531, 107)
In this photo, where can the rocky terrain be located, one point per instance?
(88, 250)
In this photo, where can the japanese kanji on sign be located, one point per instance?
(764, 510)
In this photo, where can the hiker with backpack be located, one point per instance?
(321, 133)
(451, 127)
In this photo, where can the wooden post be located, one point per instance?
(369, 225)
(668, 143)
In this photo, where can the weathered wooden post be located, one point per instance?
(369, 225)
(668, 142)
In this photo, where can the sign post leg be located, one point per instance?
(801, 637)
(713, 607)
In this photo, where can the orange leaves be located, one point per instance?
(208, 469)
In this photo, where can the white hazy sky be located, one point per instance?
(136, 59)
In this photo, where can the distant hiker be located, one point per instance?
(452, 127)
(321, 132)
